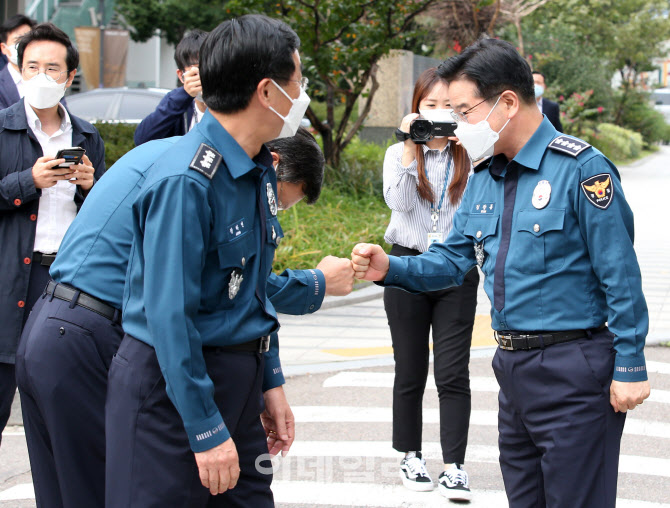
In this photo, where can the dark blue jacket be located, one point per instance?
(19, 204)
(553, 112)
(172, 117)
(3, 61)
(9, 94)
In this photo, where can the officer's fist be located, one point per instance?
(370, 262)
(339, 275)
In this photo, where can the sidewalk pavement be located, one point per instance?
(352, 331)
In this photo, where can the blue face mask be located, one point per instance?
(539, 90)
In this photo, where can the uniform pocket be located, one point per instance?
(538, 243)
(482, 230)
(235, 258)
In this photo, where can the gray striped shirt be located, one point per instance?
(410, 215)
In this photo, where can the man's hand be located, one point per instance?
(370, 262)
(278, 422)
(219, 467)
(625, 396)
(339, 275)
(84, 172)
(44, 174)
(192, 84)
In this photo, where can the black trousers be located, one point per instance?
(451, 314)
(61, 369)
(149, 460)
(559, 437)
(39, 276)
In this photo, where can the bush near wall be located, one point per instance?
(118, 138)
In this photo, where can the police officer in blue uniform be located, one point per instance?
(185, 387)
(65, 430)
(546, 220)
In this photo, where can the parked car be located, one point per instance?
(126, 105)
(661, 100)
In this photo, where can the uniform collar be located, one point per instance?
(530, 155)
(236, 159)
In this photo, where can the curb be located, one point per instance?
(368, 291)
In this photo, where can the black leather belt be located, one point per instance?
(261, 345)
(43, 259)
(512, 341)
(68, 294)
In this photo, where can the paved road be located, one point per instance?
(340, 388)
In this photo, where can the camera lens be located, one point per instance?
(421, 130)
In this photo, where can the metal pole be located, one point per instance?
(101, 8)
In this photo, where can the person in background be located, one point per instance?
(423, 186)
(183, 107)
(11, 81)
(38, 200)
(547, 107)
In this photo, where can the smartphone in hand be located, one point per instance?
(72, 156)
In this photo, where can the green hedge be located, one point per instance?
(118, 138)
(617, 143)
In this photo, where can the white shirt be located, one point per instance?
(197, 116)
(539, 103)
(57, 208)
(410, 216)
(18, 79)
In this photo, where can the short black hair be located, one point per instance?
(187, 51)
(238, 54)
(14, 22)
(494, 66)
(543, 76)
(50, 32)
(300, 161)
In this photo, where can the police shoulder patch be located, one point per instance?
(571, 146)
(206, 160)
(599, 190)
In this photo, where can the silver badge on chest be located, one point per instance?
(541, 194)
(479, 254)
(272, 201)
(235, 283)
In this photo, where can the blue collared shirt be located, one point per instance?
(568, 263)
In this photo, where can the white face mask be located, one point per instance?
(478, 139)
(14, 54)
(539, 90)
(294, 117)
(41, 93)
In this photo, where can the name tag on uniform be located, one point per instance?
(435, 237)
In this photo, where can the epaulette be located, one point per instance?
(569, 145)
(206, 160)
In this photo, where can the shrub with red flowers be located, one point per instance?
(579, 116)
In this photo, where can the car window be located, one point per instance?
(90, 107)
(136, 106)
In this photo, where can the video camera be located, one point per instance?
(421, 130)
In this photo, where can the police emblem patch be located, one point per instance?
(541, 194)
(235, 283)
(272, 201)
(599, 190)
(206, 160)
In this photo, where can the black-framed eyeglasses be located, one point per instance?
(463, 116)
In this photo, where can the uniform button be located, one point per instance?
(17, 202)
(396, 277)
(536, 228)
(21, 304)
(33, 217)
(479, 234)
(244, 261)
(61, 330)
(311, 307)
(27, 260)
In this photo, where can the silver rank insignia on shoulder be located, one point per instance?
(206, 160)
(541, 194)
(272, 201)
(569, 145)
(479, 253)
(235, 283)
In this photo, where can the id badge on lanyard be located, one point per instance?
(436, 236)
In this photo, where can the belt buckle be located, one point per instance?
(264, 344)
(504, 341)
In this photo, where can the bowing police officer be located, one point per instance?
(545, 218)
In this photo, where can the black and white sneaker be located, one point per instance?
(453, 484)
(413, 473)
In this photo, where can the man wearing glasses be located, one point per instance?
(545, 219)
(38, 200)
